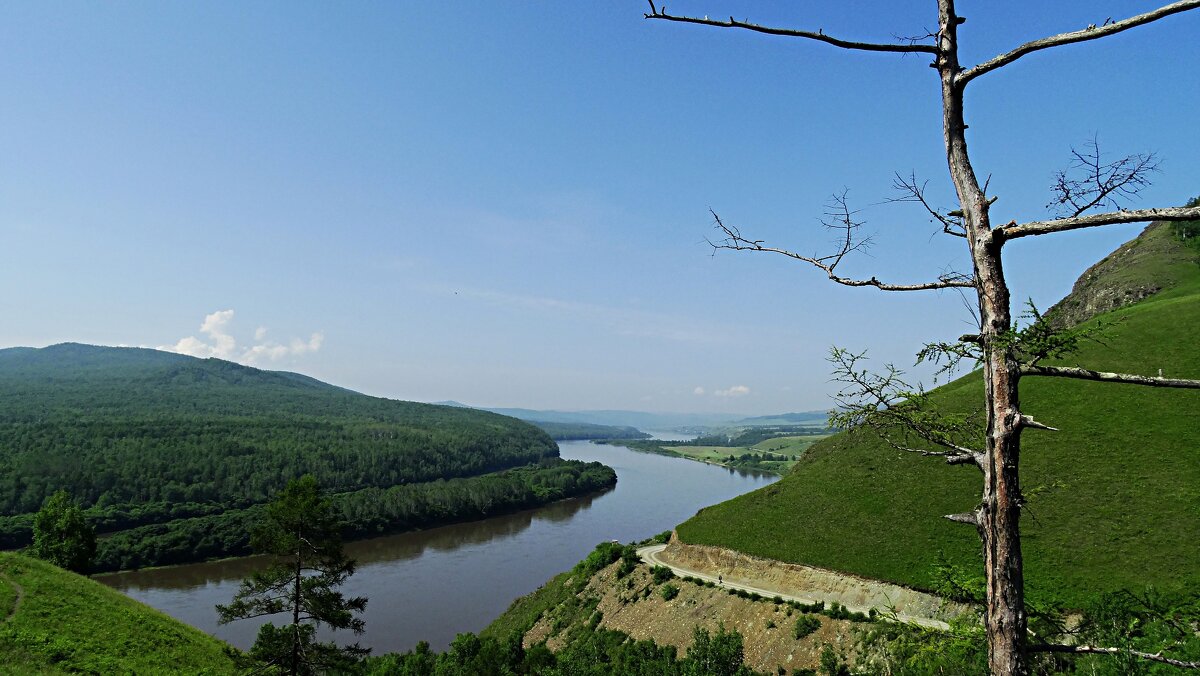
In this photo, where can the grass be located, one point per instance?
(526, 610)
(1114, 498)
(70, 624)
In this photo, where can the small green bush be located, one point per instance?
(661, 574)
(669, 591)
(629, 561)
(805, 626)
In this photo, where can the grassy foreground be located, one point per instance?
(56, 622)
(1113, 499)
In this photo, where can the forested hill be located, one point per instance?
(141, 437)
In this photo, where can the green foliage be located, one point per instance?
(719, 654)
(1188, 231)
(65, 623)
(600, 557)
(587, 652)
(301, 532)
(1152, 622)
(661, 574)
(62, 536)
(908, 650)
(669, 591)
(957, 582)
(629, 561)
(805, 625)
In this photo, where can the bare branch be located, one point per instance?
(1028, 421)
(1091, 182)
(820, 36)
(735, 241)
(1088, 374)
(911, 191)
(958, 456)
(1098, 650)
(971, 518)
(1092, 32)
(1014, 231)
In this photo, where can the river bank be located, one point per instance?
(433, 584)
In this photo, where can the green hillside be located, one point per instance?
(142, 438)
(56, 622)
(1114, 498)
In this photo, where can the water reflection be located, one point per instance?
(434, 584)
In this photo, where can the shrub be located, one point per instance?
(805, 626)
(669, 591)
(604, 554)
(661, 574)
(629, 561)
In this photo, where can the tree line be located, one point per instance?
(364, 513)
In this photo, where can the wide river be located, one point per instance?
(431, 585)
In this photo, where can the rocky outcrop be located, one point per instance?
(1138, 269)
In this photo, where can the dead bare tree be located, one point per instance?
(1003, 352)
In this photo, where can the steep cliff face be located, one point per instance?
(1154, 261)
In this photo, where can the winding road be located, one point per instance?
(650, 555)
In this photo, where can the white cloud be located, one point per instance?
(219, 342)
(699, 391)
(735, 391)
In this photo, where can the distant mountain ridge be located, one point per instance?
(651, 421)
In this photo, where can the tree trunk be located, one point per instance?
(296, 610)
(999, 518)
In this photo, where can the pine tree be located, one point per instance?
(302, 532)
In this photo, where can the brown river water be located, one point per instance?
(431, 585)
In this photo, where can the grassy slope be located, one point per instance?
(1114, 497)
(67, 623)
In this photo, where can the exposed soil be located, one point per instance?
(636, 606)
(812, 584)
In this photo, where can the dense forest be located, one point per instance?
(145, 438)
(364, 513)
(577, 431)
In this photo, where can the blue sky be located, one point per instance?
(507, 203)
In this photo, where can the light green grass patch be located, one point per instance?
(67, 623)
